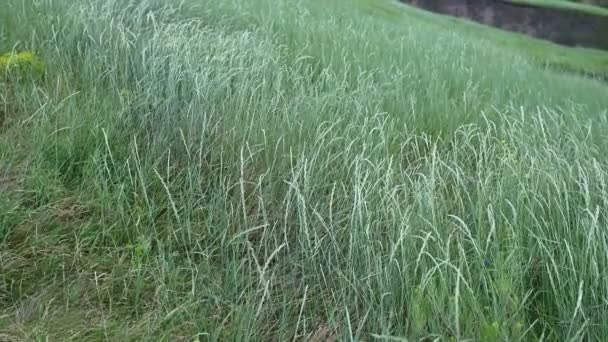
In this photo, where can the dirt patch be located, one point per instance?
(562, 26)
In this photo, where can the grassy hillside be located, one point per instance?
(279, 170)
(588, 62)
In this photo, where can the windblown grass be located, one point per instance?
(278, 170)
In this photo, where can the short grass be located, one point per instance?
(571, 5)
(293, 170)
(591, 62)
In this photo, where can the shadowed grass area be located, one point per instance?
(280, 170)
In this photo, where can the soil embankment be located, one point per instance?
(562, 26)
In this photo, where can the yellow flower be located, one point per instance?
(21, 60)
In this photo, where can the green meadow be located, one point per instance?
(277, 170)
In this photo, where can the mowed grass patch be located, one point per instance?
(293, 170)
(570, 5)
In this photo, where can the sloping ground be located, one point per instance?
(588, 7)
(559, 25)
(546, 54)
(282, 170)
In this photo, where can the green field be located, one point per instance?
(296, 170)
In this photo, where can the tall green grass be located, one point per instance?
(280, 170)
